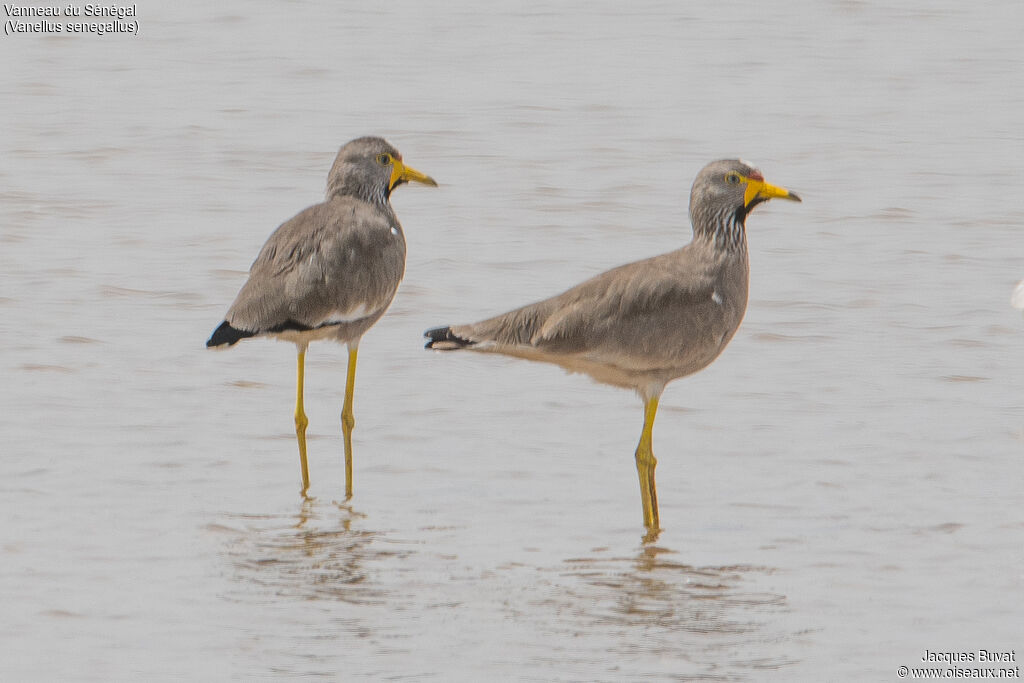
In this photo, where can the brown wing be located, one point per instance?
(334, 261)
(644, 314)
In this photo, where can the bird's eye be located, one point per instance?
(383, 159)
(732, 178)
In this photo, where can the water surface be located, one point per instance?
(840, 491)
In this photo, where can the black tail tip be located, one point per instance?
(443, 339)
(225, 335)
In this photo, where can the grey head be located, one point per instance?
(369, 168)
(723, 193)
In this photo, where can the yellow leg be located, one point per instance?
(348, 419)
(301, 421)
(645, 464)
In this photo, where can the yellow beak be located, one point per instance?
(758, 189)
(400, 173)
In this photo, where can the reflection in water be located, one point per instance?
(316, 554)
(714, 615)
(598, 617)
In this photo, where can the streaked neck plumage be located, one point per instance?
(350, 185)
(722, 227)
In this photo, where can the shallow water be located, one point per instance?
(840, 491)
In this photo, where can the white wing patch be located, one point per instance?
(351, 315)
(716, 297)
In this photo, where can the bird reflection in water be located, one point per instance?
(313, 554)
(711, 612)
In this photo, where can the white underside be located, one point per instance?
(649, 383)
(304, 337)
(350, 316)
